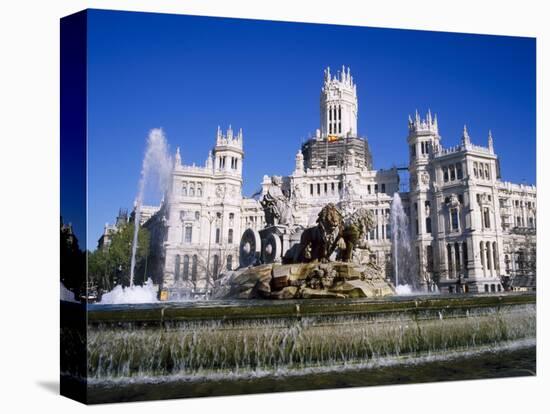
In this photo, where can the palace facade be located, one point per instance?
(470, 231)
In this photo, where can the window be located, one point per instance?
(368, 189)
(416, 226)
(194, 268)
(429, 259)
(486, 288)
(489, 257)
(326, 188)
(231, 218)
(311, 189)
(445, 174)
(229, 264)
(452, 170)
(457, 257)
(197, 215)
(384, 188)
(188, 236)
(495, 256)
(449, 260)
(428, 225)
(482, 254)
(454, 219)
(459, 171)
(475, 170)
(218, 234)
(486, 218)
(185, 267)
(318, 188)
(192, 190)
(184, 188)
(215, 266)
(230, 236)
(487, 175)
(177, 268)
(413, 150)
(199, 190)
(332, 187)
(376, 188)
(465, 258)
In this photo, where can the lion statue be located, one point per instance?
(356, 226)
(319, 242)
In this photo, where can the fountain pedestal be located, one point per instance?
(304, 280)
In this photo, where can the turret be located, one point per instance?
(228, 152)
(423, 137)
(338, 105)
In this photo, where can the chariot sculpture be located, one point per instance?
(334, 235)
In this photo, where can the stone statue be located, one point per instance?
(319, 242)
(276, 205)
(356, 226)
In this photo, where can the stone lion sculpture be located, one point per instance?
(319, 242)
(356, 226)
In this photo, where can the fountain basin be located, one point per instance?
(200, 342)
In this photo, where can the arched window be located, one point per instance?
(449, 260)
(215, 266)
(230, 236)
(218, 233)
(495, 256)
(199, 190)
(465, 258)
(229, 264)
(177, 268)
(457, 257)
(184, 188)
(489, 258)
(482, 254)
(185, 267)
(191, 190)
(194, 268)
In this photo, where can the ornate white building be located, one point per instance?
(204, 218)
(470, 231)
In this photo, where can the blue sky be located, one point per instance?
(190, 74)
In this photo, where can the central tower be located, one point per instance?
(338, 105)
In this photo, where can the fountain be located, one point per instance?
(404, 263)
(156, 164)
(155, 173)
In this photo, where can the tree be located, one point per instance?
(111, 266)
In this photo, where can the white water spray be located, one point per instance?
(157, 165)
(403, 259)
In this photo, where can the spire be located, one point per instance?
(429, 117)
(178, 157)
(490, 142)
(230, 133)
(219, 133)
(435, 123)
(240, 134)
(465, 136)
